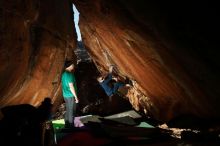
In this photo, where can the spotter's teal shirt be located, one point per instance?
(68, 77)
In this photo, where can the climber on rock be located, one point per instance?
(111, 84)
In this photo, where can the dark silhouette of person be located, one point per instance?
(45, 109)
(20, 125)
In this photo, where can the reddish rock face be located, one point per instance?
(139, 38)
(35, 38)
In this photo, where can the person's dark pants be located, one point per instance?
(70, 110)
(110, 91)
(116, 86)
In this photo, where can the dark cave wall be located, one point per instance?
(36, 36)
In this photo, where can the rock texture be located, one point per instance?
(35, 38)
(155, 45)
(170, 54)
